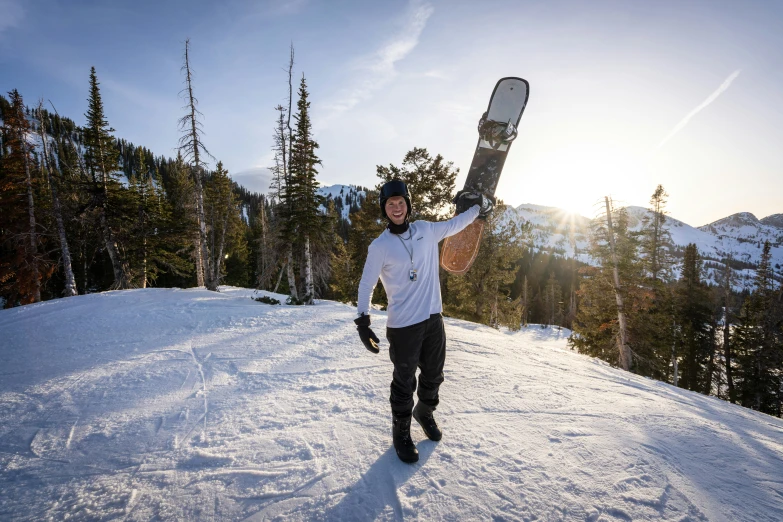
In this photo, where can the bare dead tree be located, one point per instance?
(191, 146)
(269, 246)
(286, 161)
(622, 339)
(280, 183)
(46, 169)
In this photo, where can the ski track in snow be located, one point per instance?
(167, 404)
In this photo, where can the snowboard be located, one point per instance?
(497, 130)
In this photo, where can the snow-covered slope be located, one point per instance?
(743, 233)
(171, 404)
(345, 197)
(555, 230)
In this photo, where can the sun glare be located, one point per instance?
(576, 177)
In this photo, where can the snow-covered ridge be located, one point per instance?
(193, 405)
(347, 198)
(740, 235)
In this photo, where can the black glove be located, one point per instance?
(367, 336)
(465, 199)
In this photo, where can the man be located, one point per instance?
(405, 256)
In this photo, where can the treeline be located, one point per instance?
(84, 211)
(633, 313)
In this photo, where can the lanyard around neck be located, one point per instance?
(410, 252)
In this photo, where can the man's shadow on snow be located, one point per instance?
(378, 486)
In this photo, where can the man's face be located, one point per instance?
(396, 209)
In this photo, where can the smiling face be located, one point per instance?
(396, 209)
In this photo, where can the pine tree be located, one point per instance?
(572, 300)
(281, 179)
(483, 294)
(525, 302)
(693, 316)
(340, 287)
(431, 182)
(728, 355)
(281, 172)
(158, 238)
(615, 260)
(553, 301)
(79, 203)
(610, 320)
(301, 193)
(102, 163)
(366, 225)
(142, 190)
(758, 342)
(225, 226)
(180, 223)
(656, 243)
(20, 270)
(655, 331)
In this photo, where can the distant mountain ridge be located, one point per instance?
(740, 235)
(346, 198)
(559, 232)
(775, 220)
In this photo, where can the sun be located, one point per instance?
(573, 177)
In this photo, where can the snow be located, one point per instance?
(188, 405)
(347, 193)
(555, 230)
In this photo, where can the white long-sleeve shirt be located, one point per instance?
(389, 256)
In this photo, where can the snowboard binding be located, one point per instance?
(496, 133)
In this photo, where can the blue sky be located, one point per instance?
(624, 94)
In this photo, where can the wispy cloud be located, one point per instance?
(378, 68)
(256, 179)
(141, 97)
(711, 98)
(12, 14)
(285, 7)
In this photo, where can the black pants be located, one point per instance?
(421, 345)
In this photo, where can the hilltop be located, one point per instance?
(189, 404)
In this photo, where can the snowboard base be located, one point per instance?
(497, 130)
(460, 250)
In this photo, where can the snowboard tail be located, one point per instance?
(504, 111)
(460, 250)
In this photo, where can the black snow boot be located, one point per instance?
(403, 444)
(423, 415)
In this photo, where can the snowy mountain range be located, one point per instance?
(171, 404)
(740, 235)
